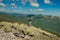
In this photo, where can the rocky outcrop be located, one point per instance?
(15, 31)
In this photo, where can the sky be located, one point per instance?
(46, 7)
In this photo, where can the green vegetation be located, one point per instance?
(48, 23)
(45, 22)
(12, 18)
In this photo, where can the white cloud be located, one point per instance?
(23, 3)
(32, 10)
(40, 9)
(24, 0)
(34, 3)
(2, 5)
(47, 1)
(13, 5)
(36, 10)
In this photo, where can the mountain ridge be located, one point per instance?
(16, 31)
(45, 22)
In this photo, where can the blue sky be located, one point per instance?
(46, 7)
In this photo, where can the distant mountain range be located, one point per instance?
(45, 22)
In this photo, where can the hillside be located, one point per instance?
(45, 22)
(20, 31)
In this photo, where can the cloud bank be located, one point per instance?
(2, 5)
(33, 3)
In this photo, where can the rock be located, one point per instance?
(15, 31)
(8, 36)
(28, 38)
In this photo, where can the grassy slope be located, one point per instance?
(46, 23)
(30, 33)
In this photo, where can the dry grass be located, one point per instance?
(37, 33)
